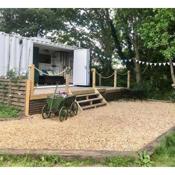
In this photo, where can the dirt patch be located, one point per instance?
(120, 126)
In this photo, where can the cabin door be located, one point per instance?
(81, 67)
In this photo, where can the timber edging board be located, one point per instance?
(69, 154)
(13, 93)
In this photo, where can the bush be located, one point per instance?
(172, 96)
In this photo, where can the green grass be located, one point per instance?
(164, 154)
(8, 111)
(50, 161)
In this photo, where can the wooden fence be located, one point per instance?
(13, 92)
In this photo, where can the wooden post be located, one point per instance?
(115, 78)
(27, 98)
(128, 79)
(93, 77)
(32, 77)
(67, 83)
(99, 81)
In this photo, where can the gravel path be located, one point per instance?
(120, 126)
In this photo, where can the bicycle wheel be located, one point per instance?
(46, 112)
(63, 113)
(74, 109)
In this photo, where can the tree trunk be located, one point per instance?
(117, 43)
(172, 72)
(137, 57)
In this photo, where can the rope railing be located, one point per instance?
(118, 73)
(43, 73)
(104, 77)
(31, 77)
(115, 73)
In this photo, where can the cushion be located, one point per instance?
(50, 73)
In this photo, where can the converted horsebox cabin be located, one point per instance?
(17, 53)
(45, 63)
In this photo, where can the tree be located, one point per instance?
(27, 22)
(158, 32)
(128, 21)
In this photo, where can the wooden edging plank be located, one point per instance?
(69, 154)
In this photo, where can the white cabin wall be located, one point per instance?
(14, 55)
(2, 53)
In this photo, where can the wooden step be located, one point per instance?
(93, 105)
(83, 92)
(89, 100)
(84, 95)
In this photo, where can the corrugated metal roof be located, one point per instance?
(41, 41)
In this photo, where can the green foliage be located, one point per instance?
(7, 111)
(144, 159)
(12, 75)
(158, 31)
(27, 22)
(164, 154)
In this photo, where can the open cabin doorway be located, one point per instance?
(51, 61)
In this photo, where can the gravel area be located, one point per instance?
(120, 126)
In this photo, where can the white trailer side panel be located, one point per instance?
(15, 53)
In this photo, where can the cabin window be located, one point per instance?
(43, 58)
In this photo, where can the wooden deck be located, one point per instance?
(40, 94)
(43, 91)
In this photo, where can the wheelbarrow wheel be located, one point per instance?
(46, 112)
(73, 109)
(63, 113)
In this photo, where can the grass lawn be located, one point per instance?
(8, 111)
(164, 155)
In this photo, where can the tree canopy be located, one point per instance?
(142, 34)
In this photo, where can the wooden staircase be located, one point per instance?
(90, 99)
